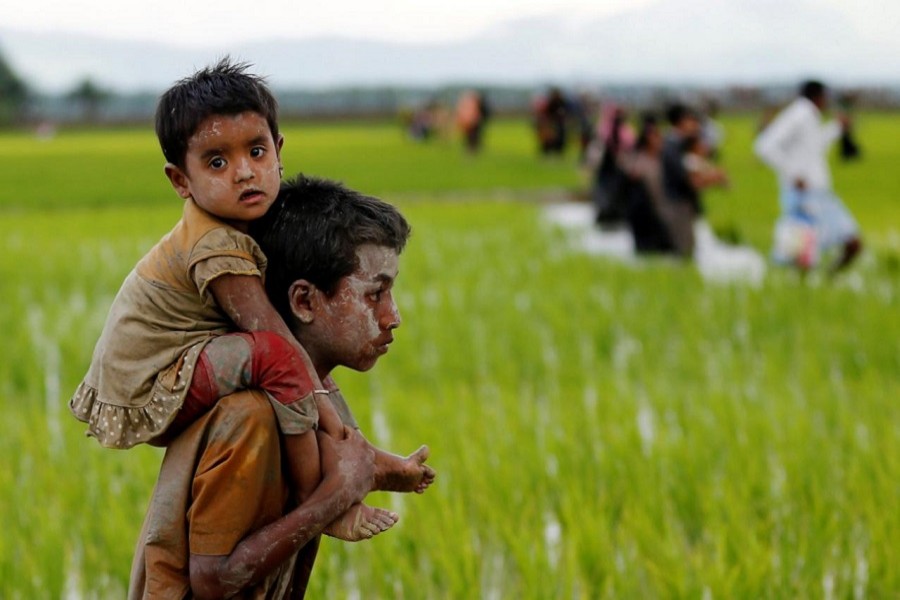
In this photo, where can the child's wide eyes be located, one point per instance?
(257, 151)
(217, 163)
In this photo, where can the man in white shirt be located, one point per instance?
(795, 144)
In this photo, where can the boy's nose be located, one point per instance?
(391, 318)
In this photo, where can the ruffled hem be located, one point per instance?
(117, 426)
(120, 426)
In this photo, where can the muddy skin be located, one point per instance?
(354, 328)
(398, 474)
(361, 522)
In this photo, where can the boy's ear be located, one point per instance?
(303, 297)
(179, 180)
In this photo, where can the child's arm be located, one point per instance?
(244, 300)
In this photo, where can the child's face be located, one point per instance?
(354, 326)
(232, 167)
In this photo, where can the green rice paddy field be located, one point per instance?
(600, 430)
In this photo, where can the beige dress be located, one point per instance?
(157, 326)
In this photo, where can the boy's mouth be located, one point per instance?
(382, 345)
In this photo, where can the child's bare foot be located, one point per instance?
(361, 522)
(398, 474)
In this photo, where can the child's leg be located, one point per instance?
(278, 377)
(361, 521)
(267, 361)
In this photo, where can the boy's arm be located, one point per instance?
(348, 470)
(244, 300)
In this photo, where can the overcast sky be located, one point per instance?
(189, 23)
(731, 41)
(226, 21)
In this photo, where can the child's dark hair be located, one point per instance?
(313, 231)
(223, 89)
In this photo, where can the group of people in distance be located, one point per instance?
(653, 180)
(469, 117)
(220, 345)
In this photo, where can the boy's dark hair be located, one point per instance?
(812, 89)
(223, 89)
(313, 230)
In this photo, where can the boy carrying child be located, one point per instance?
(192, 324)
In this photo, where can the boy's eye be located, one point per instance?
(217, 163)
(257, 151)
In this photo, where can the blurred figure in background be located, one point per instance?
(472, 114)
(795, 145)
(849, 147)
(425, 121)
(699, 165)
(648, 212)
(550, 115)
(580, 107)
(615, 137)
(711, 132)
(680, 188)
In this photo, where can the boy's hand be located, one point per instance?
(350, 462)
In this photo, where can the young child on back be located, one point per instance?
(192, 322)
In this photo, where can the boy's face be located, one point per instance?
(354, 326)
(232, 168)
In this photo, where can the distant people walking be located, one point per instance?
(648, 211)
(849, 147)
(550, 115)
(615, 138)
(711, 132)
(472, 114)
(813, 219)
(680, 189)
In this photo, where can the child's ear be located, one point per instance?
(179, 180)
(279, 144)
(303, 297)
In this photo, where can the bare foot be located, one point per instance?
(398, 474)
(361, 522)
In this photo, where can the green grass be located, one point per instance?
(600, 431)
(102, 169)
